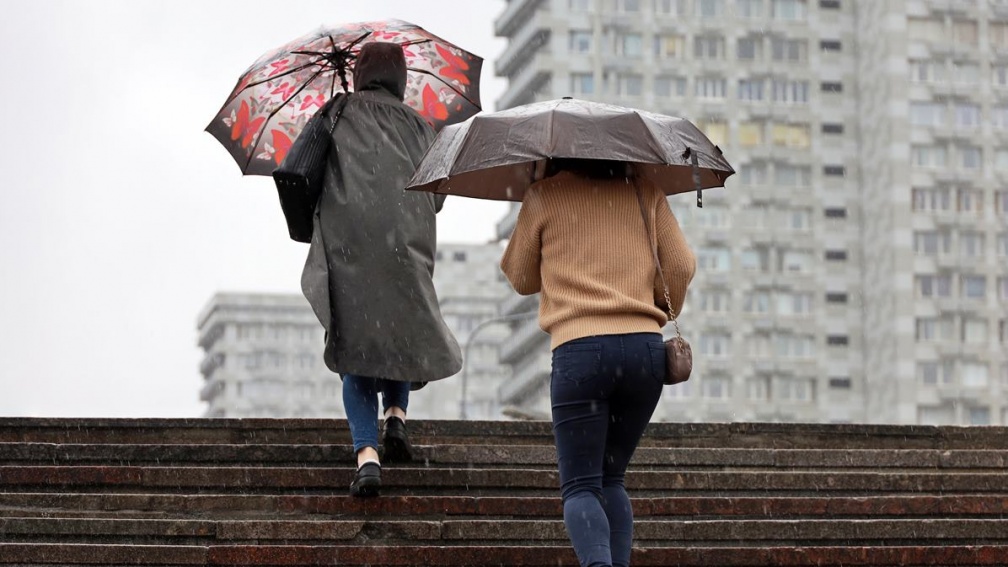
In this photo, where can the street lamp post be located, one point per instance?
(463, 413)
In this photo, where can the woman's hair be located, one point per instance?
(595, 168)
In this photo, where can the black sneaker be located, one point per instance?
(368, 481)
(396, 441)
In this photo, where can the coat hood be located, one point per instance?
(381, 65)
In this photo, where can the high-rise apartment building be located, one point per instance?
(856, 267)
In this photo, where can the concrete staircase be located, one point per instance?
(274, 492)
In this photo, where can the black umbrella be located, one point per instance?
(499, 155)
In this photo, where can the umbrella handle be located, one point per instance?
(692, 156)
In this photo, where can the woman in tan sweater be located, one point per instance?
(580, 241)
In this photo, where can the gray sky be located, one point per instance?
(121, 217)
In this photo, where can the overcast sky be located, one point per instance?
(121, 217)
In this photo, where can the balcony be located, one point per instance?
(519, 304)
(951, 7)
(536, 72)
(211, 363)
(514, 14)
(522, 341)
(521, 47)
(525, 382)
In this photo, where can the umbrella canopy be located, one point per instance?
(276, 95)
(499, 155)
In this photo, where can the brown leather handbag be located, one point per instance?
(678, 352)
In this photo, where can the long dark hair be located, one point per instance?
(594, 168)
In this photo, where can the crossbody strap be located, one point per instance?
(654, 252)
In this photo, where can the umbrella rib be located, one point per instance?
(267, 79)
(274, 112)
(447, 84)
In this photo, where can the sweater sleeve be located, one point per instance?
(521, 259)
(677, 259)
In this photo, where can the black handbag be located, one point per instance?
(300, 176)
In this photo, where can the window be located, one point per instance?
(459, 256)
(964, 32)
(795, 92)
(580, 41)
(829, 45)
(1001, 203)
(788, 10)
(794, 346)
(629, 45)
(630, 85)
(931, 285)
(831, 87)
(829, 4)
(749, 8)
(832, 128)
(714, 301)
(755, 260)
(715, 344)
(934, 373)
(969, 201)
(979, 415)
(791, 135)
(836, 255)
(840, 383)
(710, 87)
(792, 175)
(965, 73)
(932, 243)
(1002, 284)
(999, 75)
(933, 329)
(974, 287)
(750, 134)
(997, 34)
(1001, 160)
(582, 84)
(969, 157)
(926, 29)
(708, 47)
(926, 71)
(715, 129)
(837, 340)
(794, 389)
(668, 47)
(798, 220)
(714, 259)
(749, 48)
(798, 261)
(943, 414)
(756, 174)
(715, 387)
(927, 114)
(835, 213)
(833, 170)
(758, 388)
(791, 304)
(628, 6)
(669, 7)
(928, 156)
(836, 297)
(577, 5)
(974, 331)
(666, 86)
(790, 50)
(931, 199)
(967, 115)
(710, 8)
(1002, 244)
(756, 302)
(971, 244)
(750, 89)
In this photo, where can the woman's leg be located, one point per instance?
(580, 383)
(395, 399)
(630, 408)
(360, 400)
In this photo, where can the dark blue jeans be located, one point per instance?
(603, 390)
(360, 400)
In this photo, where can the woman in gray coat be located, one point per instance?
(369, 270)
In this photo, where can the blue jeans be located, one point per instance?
(603, 391)
(360, 400)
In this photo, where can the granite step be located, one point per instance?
(71, 555)
(516, 456)
(238, 506)
(410, 480)
(448, 432)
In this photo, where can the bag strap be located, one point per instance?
(340, 105)
(654, 252)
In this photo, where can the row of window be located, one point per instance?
(706, 47)
(758, 388)
(276, 331)
(767, 89)
(783, 10)
(785, 345)
(970, 286)
(273, 360)
(971, 243)
(963, 157)
(279, 389)
(782, 174)
(948, 372)
(965, 200)
(784, 303)
(787, 219)
(947, 414)
(967, 329)
(957, 31)
(955, 71)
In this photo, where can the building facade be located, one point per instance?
(856, 267)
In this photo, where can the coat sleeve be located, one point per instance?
(522, 257)
(677, 259)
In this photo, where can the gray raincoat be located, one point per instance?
(368, 275)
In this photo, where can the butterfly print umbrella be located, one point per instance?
(276, 96)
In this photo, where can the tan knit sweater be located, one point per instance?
(583, 244)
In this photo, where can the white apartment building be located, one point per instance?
(856, 268)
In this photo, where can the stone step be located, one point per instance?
(407, 480)
(499, 455)
(647, 532)
(222, 506)
(457, 556)
(429, 432)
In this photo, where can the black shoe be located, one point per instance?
(368, 481)
(396, 441)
